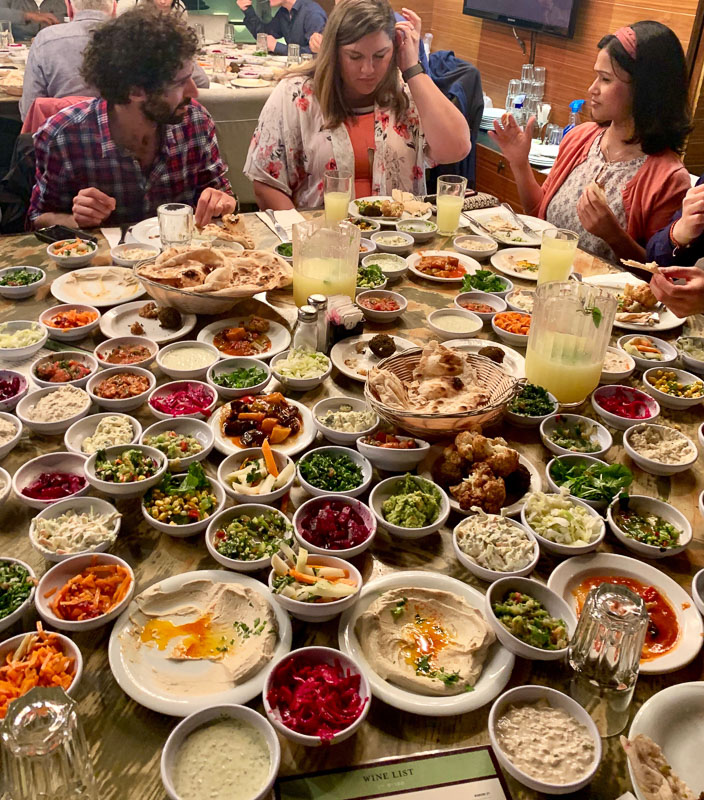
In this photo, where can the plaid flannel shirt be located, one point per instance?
(74, 150)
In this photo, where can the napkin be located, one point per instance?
(287, 219)
(112, 236)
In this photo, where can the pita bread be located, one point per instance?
(599, 192)
(652, 773)
(651, 266)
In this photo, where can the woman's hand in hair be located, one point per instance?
(597, 218)
(690, 226)
(512, 139)
(682, 299)
(407, 39)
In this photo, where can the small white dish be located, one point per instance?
(530, 420)
(468, 265)
(392, 266)
(514, 339)
(186, 426)
(698, 590)
(668, 400)
(23, 384)
(298, 384)
(621, 375)
(645, 506)
(181, 374)
(279, 251)
(383, 294)
(68, 647)
(191, 528)
(120, 253)
(128, 403)
(332, 450)
(651, 465)
(10, 619)
(442, 320)
(495, 301)
(392, 459)
(597, 431)
(527, 298)
(69, 334)
(690, 361)
(21, 292)
(65, 355)
(565, 549)
(8, 446)
(384, 489)
(616, 420)
(5, 485)
(130, 488)
(669, 353)
(278, 335)
(479, 247)
(103, 350)
(70, 463)
(167, 388)
(491, 575)
(81, 430)
(575, 458)
(315, 503)
(503, 293)
(347, 438)
(21, 353)
(228, 365)
(70, 262)
(234, 462)
(422, 230)
(49, 428)
(366, 248)
(383, 241)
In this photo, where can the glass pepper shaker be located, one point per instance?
(320, 302)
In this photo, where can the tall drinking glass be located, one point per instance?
(175, 224)
(293, 54)
(229, 33)
(337, 187)
(200, 33)
(6, 37)
(262, 44)
(450, 200)
(324, 259)
(514, 88)
(557, 252)
(526, 77)
(569, 333)
(219, 63)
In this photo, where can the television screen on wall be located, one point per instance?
(549, 16)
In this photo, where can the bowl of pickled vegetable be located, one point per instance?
(17, 584)
(238, 376)
(648, 526)
(183, 441)
(564, 434)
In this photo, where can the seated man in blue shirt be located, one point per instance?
(295, 22)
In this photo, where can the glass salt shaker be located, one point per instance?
(320, 302)
(306, 334)
(605, 655)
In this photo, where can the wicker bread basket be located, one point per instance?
(502, 389)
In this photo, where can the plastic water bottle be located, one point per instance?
(575, 108)
(427, 42)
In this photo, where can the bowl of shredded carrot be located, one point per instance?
(70, 321)
(41, 658)
(85, 592)
(512, 327)
(70, 253)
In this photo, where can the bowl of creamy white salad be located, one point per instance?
(101, 430)
(126, 255)
(342, 420)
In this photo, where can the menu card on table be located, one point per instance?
(468, 774)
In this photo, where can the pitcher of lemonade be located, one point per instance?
(325, 259)
(569, 333)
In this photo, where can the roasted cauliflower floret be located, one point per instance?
(480, 488)
(450, 468)
(502, 459)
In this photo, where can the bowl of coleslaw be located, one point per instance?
(301, 370)
(563, 524)
(20, 339)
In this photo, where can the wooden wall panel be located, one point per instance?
(424, 9)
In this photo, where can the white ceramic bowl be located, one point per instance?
(5, 485)
(695, 364)
(341, 437)
(320, 612)
(472, 321)
(467, 243)
(366, 248)
(618, 377)
(190, 529)
(70, 463)
(280, 254)
(598, 505)
(224, 518)
(649, 464)
(508, 288)
(565, 549)
(510, 301)
(298, 384)
(334, 450)
(102, 350)
(422, 230)
(529, 420)
(129, 403)
(8, 446)
(668, 400)
(392, 459)
(381, 239)
(65, 355)
(668, 351)
(551, 601)
(230, 365)
(495, 301)
(325, 655)
(170, 753)
(119, 253)
(187, 426)
(644, 505)
(70, 262)
(49, 428)
(384, 489)
(315, 503)
(365, 231)
(21, 353)
(359, 289)
(597, 430)
(11, 402)
(531, 694)
(619, 422)
(381, 316)
(490, 575)
(59, 574)
(393, 266)
(74, 436)
(168, 388)
(197, 373)
(132, 488)
(10, 619)
(698, 591)
(20, 292)
(79, 505)
(68, 647)
(514, 339)
(69, 334)
(233, 462)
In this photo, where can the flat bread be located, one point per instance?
(652, 772)
(651, 266)
(599, 192)
(233, 229)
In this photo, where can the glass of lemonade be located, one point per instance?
(325, 259)
(569, 332)
(557, 252)
(450, 199)
(337, 188)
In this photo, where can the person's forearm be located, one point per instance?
(624, 246)
(528, 187)
(50, 218)
(444, 126)
(269, 197)
(252, 22)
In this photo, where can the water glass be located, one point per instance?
(219, 63)
(450, 201)
(526, 77)
(514, 88)
(539, 76)
(605, 654)
(557, 251)
(337, 188)
(175, 224)
(6, 37)
(294, 54)
(229, 33)
(262, 43)
(200, 33)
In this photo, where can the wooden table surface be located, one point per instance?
(126, 739)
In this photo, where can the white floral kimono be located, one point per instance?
(290, 149)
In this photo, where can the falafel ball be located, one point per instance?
(382, 345)
(517, 483)
(496, 354)
(170, 318)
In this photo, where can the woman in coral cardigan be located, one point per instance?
(618, 179)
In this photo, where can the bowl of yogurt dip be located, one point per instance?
(454, 323)
(126, 255)
(187, 360)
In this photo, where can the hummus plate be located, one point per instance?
(156, 665)
(118, 321)
(495, 672)
(99, 287)
(346, 358)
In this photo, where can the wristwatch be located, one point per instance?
(409, 73)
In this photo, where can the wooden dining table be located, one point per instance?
(126, 739)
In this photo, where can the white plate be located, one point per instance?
(618, 280)
(345, 350)
(250, 83)
(536, 482)
(514, 363)
(117, 321)
(484, 215)
(570, 574)
(469, 264)
(113, 298)
(672, 718)
(291, 447)
(505, 260)
(147, 232)
(145, 691)
(353, 212)
(279, 336)
(497, 667)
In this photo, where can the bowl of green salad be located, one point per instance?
(648, 526)
(334, 470)
(530, 407)
(285, 250)
(565, 434)
(589, 479)
(484, 280)
(17, 584)
(238, 376)
(409, 507)
(183, 441)
(125, 470)
(17, 283)
(369, 276)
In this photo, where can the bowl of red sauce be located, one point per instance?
(49, 478)
(483, 304)
(621, 407)
(334, 525)
(381, 305)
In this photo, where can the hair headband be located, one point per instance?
(627, 38)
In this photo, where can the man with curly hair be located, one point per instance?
(143, 142)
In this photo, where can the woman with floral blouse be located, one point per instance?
(351, 110)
